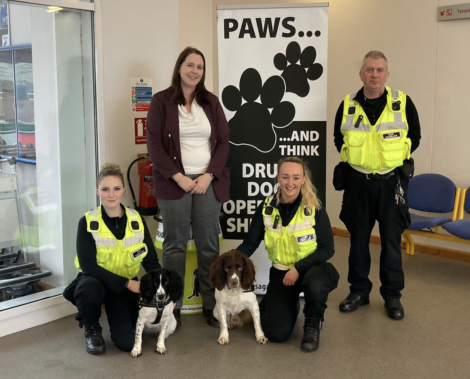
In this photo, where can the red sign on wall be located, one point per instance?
(140, 128)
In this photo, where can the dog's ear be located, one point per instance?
(176, 286)
(249, 272)
(217, 275)
(147, 286)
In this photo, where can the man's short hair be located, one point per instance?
(375, 54)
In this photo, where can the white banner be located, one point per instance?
(272, 86)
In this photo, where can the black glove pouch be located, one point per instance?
(408, 168)
(339, 176)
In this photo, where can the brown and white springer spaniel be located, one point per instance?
(233, 274)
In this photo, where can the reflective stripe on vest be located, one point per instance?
(379, 148)
(122, 257)
(288, 245)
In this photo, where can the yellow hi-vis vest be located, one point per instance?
(379, 148)
(121, 257)
(288, 245)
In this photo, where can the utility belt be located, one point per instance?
(339, 176)
(399, 193)
(374, 176)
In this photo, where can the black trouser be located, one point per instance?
(88, 294)
(280, 306)
(365, 201)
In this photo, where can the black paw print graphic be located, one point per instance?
(253, 124)
(296, 75)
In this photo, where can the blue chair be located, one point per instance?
(431, 193)
(461, 228)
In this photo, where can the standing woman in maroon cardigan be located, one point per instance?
(188, 142)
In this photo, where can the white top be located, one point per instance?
(195, 134)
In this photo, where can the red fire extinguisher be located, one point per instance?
(148, 205)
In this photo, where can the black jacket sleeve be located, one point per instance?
(150, 262)
(325, 244)
(255, 234)
(414, 128)
(338, 136)
(86, 252)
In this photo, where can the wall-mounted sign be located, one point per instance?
(140, 128)
(453, 12)
(141, 94)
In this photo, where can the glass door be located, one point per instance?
(48, 152)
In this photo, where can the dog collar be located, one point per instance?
(250, 290)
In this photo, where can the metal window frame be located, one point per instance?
(60, 3)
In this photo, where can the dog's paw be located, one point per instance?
(136, 351)
(160, 349)
(223, 340)
(233, 322)
(261, 339)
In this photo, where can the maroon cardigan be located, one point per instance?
(163, 144)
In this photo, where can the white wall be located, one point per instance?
(140, 40)
(450, 132)
(428, 59)
(196, 30)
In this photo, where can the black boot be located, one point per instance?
(353, 302)
(211, 320)
(394, 309)
(311, 338)
(94, 340)
(177, 314)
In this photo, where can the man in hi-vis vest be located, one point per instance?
(376, 130)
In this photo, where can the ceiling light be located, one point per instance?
(54, 9)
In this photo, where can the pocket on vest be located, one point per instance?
(356, 148)
(305, 243)
(394, 151)
(102, 257)
(270, 243)
(134, 259)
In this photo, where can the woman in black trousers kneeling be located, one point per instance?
(112, 243)
(299, 241)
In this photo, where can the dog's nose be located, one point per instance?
(160, 297)
(234, 282)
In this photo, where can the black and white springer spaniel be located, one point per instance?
(233, 275)
(159, 290)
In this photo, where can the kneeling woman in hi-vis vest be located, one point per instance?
(112, 243)
(299, 241)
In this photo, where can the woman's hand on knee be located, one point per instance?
(291, 277)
